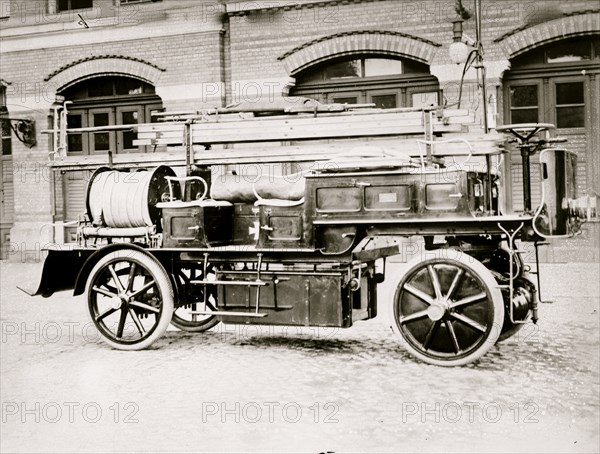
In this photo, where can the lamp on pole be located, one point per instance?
(464, 48)
(461, 51)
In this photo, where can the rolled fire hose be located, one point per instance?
(123, 199)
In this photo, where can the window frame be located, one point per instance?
(558, 66)
(400, 94)
(84, 136)
(120, 136)
(114, 105)
(4, 117)
(556, 106)
(523, 83)
(365, 87)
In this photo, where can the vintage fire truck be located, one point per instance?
(237, 240)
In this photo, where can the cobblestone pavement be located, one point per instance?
(260, 389)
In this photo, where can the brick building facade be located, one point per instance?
(189, 54)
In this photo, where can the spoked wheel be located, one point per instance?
(190, 299)
(447, 311)
(130, 299)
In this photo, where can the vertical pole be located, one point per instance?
(55, 133)
(526, 178)
(64, 115)
(481, 80)
(189, 146)
(480, 67)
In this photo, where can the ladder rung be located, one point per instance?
(245, 283)
(229, 313)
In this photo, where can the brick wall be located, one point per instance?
(200, 52)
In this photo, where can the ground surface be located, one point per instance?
(260, 389)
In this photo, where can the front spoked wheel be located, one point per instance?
(130, 299)
(447, 311)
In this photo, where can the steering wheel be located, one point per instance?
(525, 131)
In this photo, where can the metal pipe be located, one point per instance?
(480, 67)
(481, 79)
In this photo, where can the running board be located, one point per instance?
(230, 314)
(256, 283)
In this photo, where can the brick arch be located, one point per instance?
(110, 65)
(524, 39)
(358, 42)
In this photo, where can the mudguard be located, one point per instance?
(59, 272)
(68, 269)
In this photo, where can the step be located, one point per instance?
(256, 283)
(230, 314)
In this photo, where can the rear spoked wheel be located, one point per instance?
(447, 310)
(130, 299)
(190, 298)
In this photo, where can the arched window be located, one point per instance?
(107, 101)
(557, 83)
(549, 84)
(386, 82)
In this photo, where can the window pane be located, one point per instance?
(343, 69)
(569, 51)
(570, 117)
(100, 88)
(412, 66)
(6, 147)
(74, 121)
(64, 5)
(346, 100)
(524, 116)
(129, 118)
(570, 93)
(78, 4)
(384, 101)
(129, 87)
(153, 118)
(101, 141)
(75, 142)
(5, 127)
(535, 57)
(101, 119)
(596, 46)
(524, 96)
(128, 138)
(382, 67)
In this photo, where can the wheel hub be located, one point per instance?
(118, 301)
(438, 310)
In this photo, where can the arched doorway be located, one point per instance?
(107, 101)
(386, 81)
(558, 83)
(102, 101)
